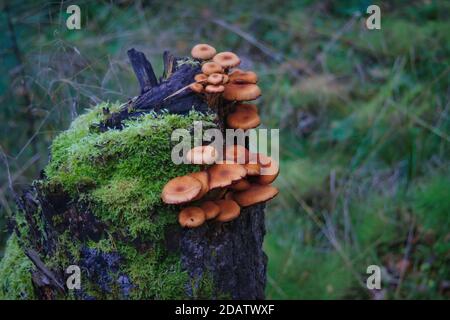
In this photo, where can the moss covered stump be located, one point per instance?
(97, 205)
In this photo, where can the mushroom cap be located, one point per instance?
(181, 190)
(211, 209)
(267, 178)
(239, 76)
(191, 217)
(253, 169)
(201, 176)
(236, 154)
(214, 88)
(227, 59)
(196, 87)
(261, 159)
(241, 185)
(246, 107)
(241, 91)
(203, 51)
(215, 78)
(256, 194)
(211, 67)
(201, 77)
(229, 210)
(222, 175)
(243, 119)
(202, 155)
(269, 169)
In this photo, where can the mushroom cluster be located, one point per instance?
(220, 75)
(240, 178)
(219, 191)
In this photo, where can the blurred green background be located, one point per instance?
(364, 119)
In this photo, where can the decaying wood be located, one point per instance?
(143, 70)
(178, 74)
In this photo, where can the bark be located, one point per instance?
(230, 253)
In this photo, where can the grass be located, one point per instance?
(364, 122)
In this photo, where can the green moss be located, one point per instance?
(121, 171)
(121, 174)
(155, 274)
(67, 252)
(15, 273)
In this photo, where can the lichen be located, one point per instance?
(120, 174)
(15, 273)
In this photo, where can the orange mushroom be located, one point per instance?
(196, 87)
(201, 176)
(241, 91)
(253, 169)
(243, 119)
(181, 190)
(255, 194)
(236, 154)
(227, 59)
(215, 78)
(214, 89)
(201, 77)
(203, 51)
(229, 210)
(241, 185)
(211, 209)
(239, 76)
(202, 155)
(222, 175)
(246, 107)
(269, 169)
(191, 217)
(211, 67)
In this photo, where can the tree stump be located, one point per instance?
(71, 217)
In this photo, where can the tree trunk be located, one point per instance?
(230, 254)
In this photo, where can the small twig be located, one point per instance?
(177, 92)
(182, 89)
(34, 257)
